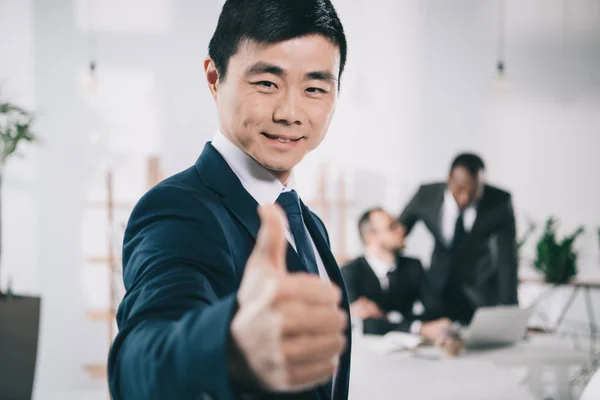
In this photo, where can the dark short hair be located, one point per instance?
(364, 222)
(469, 161)
(272, 21)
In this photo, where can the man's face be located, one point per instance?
(464, 187)
(386, 232)
(277, 100)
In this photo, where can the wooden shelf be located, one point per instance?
(102, 259)
(111, 261)
(101, 315)
(96, 371)
(593, 283)
(104, 204)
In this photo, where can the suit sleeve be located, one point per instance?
(410, 215)
(429, 297)
(508, 258)
(377, 326)
(404, 325)
(425, 294)
(174, 320)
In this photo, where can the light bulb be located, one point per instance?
(92, 83)
(501, 82)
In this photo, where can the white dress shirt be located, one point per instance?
(264, 187)
(450, 212)
(381, 269)
(261, 184)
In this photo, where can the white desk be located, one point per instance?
(481, 375)
(541, 353)
(90, 394)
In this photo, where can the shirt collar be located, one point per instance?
(261, 184)
(379, 267)
(450, 202)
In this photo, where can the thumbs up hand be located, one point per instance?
(289, 328)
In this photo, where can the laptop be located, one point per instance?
(496, 326)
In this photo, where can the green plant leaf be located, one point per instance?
(15, 128)
(556, 260)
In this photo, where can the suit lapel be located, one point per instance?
(318, 236)
(216, 174)
(437, 213)
(372, 283)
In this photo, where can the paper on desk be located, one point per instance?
(391, 342)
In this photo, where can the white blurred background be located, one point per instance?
(420, 86)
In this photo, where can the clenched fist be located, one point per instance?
(289, 327)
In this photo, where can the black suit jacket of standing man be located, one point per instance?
(484, 265)
(406, 286)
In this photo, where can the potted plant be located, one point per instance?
(556, 259)
(19, 315)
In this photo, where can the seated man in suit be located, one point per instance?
(382, 283)
(474, 262)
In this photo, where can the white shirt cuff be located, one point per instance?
(415, 327)
(394, 317)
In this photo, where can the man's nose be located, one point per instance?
(287, 110)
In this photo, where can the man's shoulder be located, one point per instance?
(355, 264)
(409, 260)
(497, 191)
(409, 263)
(432, 188)
(179, 195)
(497, 194)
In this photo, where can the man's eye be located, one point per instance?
(266, 84)
(315, 90)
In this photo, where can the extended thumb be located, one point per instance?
(271, 243)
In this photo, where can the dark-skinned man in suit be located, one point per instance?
(474, 262)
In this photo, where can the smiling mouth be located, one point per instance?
(281, 139)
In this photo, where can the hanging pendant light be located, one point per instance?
(501, 80)
(92, 81)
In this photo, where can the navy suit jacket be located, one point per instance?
(184, 253)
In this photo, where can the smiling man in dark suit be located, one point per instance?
(474, 262)
(384, 286)
(225, 301)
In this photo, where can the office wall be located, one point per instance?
(419, 87)
(20, 217)
(539, 132)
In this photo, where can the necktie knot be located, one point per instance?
(290, 202)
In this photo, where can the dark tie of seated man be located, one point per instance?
(384, 286)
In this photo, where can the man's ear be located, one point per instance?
(212, 76)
